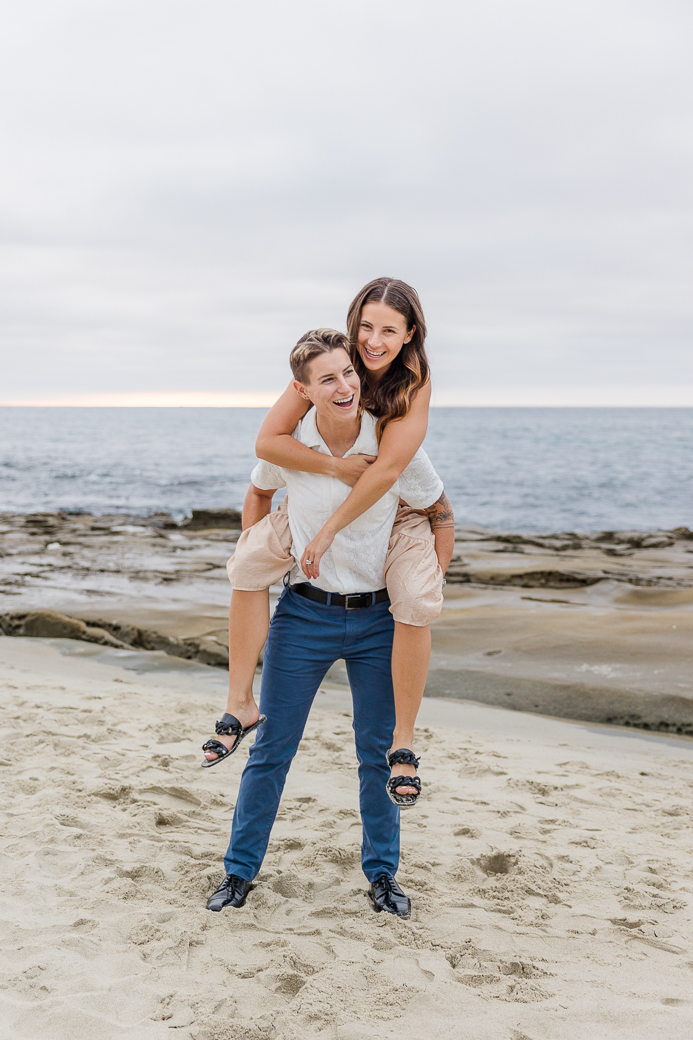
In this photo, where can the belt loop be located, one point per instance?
(372, 599)
(329, 599)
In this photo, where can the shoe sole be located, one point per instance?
(403, 805)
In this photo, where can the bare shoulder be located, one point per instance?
(282, 418)
(422, 396)
(289, 407)
(420, 404)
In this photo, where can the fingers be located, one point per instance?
(311, 569)
(315, 567)
(313, 554)
(352, 468)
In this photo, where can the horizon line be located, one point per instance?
(559, 397)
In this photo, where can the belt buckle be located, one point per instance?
(352, 595)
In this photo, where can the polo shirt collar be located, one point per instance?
(365, 444)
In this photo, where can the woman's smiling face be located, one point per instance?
(334, 387)
(382, 334)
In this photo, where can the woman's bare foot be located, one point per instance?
(247, 713)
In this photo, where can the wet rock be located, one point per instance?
(44, 523)
(223, 518)
(43, 519)
(212, 652)
(544, 579)
(49, 624)
(205, 649)
(52, 625)
(149, 639)
(162, 521)
(638, 539)
(657, 541)
(551, 542)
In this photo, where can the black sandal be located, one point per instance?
(406, 758)
(229, 726)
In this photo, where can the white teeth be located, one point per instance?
(371, 353)
(345, 400)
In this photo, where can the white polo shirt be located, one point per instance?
(356, 560)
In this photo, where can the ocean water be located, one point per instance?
(517, 469)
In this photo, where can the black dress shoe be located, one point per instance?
(231, 892)
(385, 894)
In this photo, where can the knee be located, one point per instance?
(416, 593)
(276, 749)
(417, 613)
(260, 558)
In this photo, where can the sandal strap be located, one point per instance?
(217, 747)
(228, 726)
(404, 781)
(403, 757)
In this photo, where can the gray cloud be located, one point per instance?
(187, 187)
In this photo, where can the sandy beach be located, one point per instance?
(549, 868)
(548, 862)
(433, 255)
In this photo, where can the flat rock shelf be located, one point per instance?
(594, 626)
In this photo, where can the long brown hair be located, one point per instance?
(391, 396)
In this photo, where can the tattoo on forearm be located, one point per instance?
(440, 514)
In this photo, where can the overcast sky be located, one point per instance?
(186, 187)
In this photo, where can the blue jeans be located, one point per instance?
(305, 639)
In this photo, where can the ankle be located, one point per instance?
(402, 740)
(240, 701)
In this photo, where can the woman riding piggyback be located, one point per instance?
(386, 346)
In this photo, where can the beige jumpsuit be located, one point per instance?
(413, 576)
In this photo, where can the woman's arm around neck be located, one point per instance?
(400, 442)
(275, 443)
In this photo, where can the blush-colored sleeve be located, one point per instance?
(419, 485)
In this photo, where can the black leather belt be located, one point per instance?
(352, 601)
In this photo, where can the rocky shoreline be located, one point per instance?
(595, 626)
(50, 624)
(482, 556)
(570, 560)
